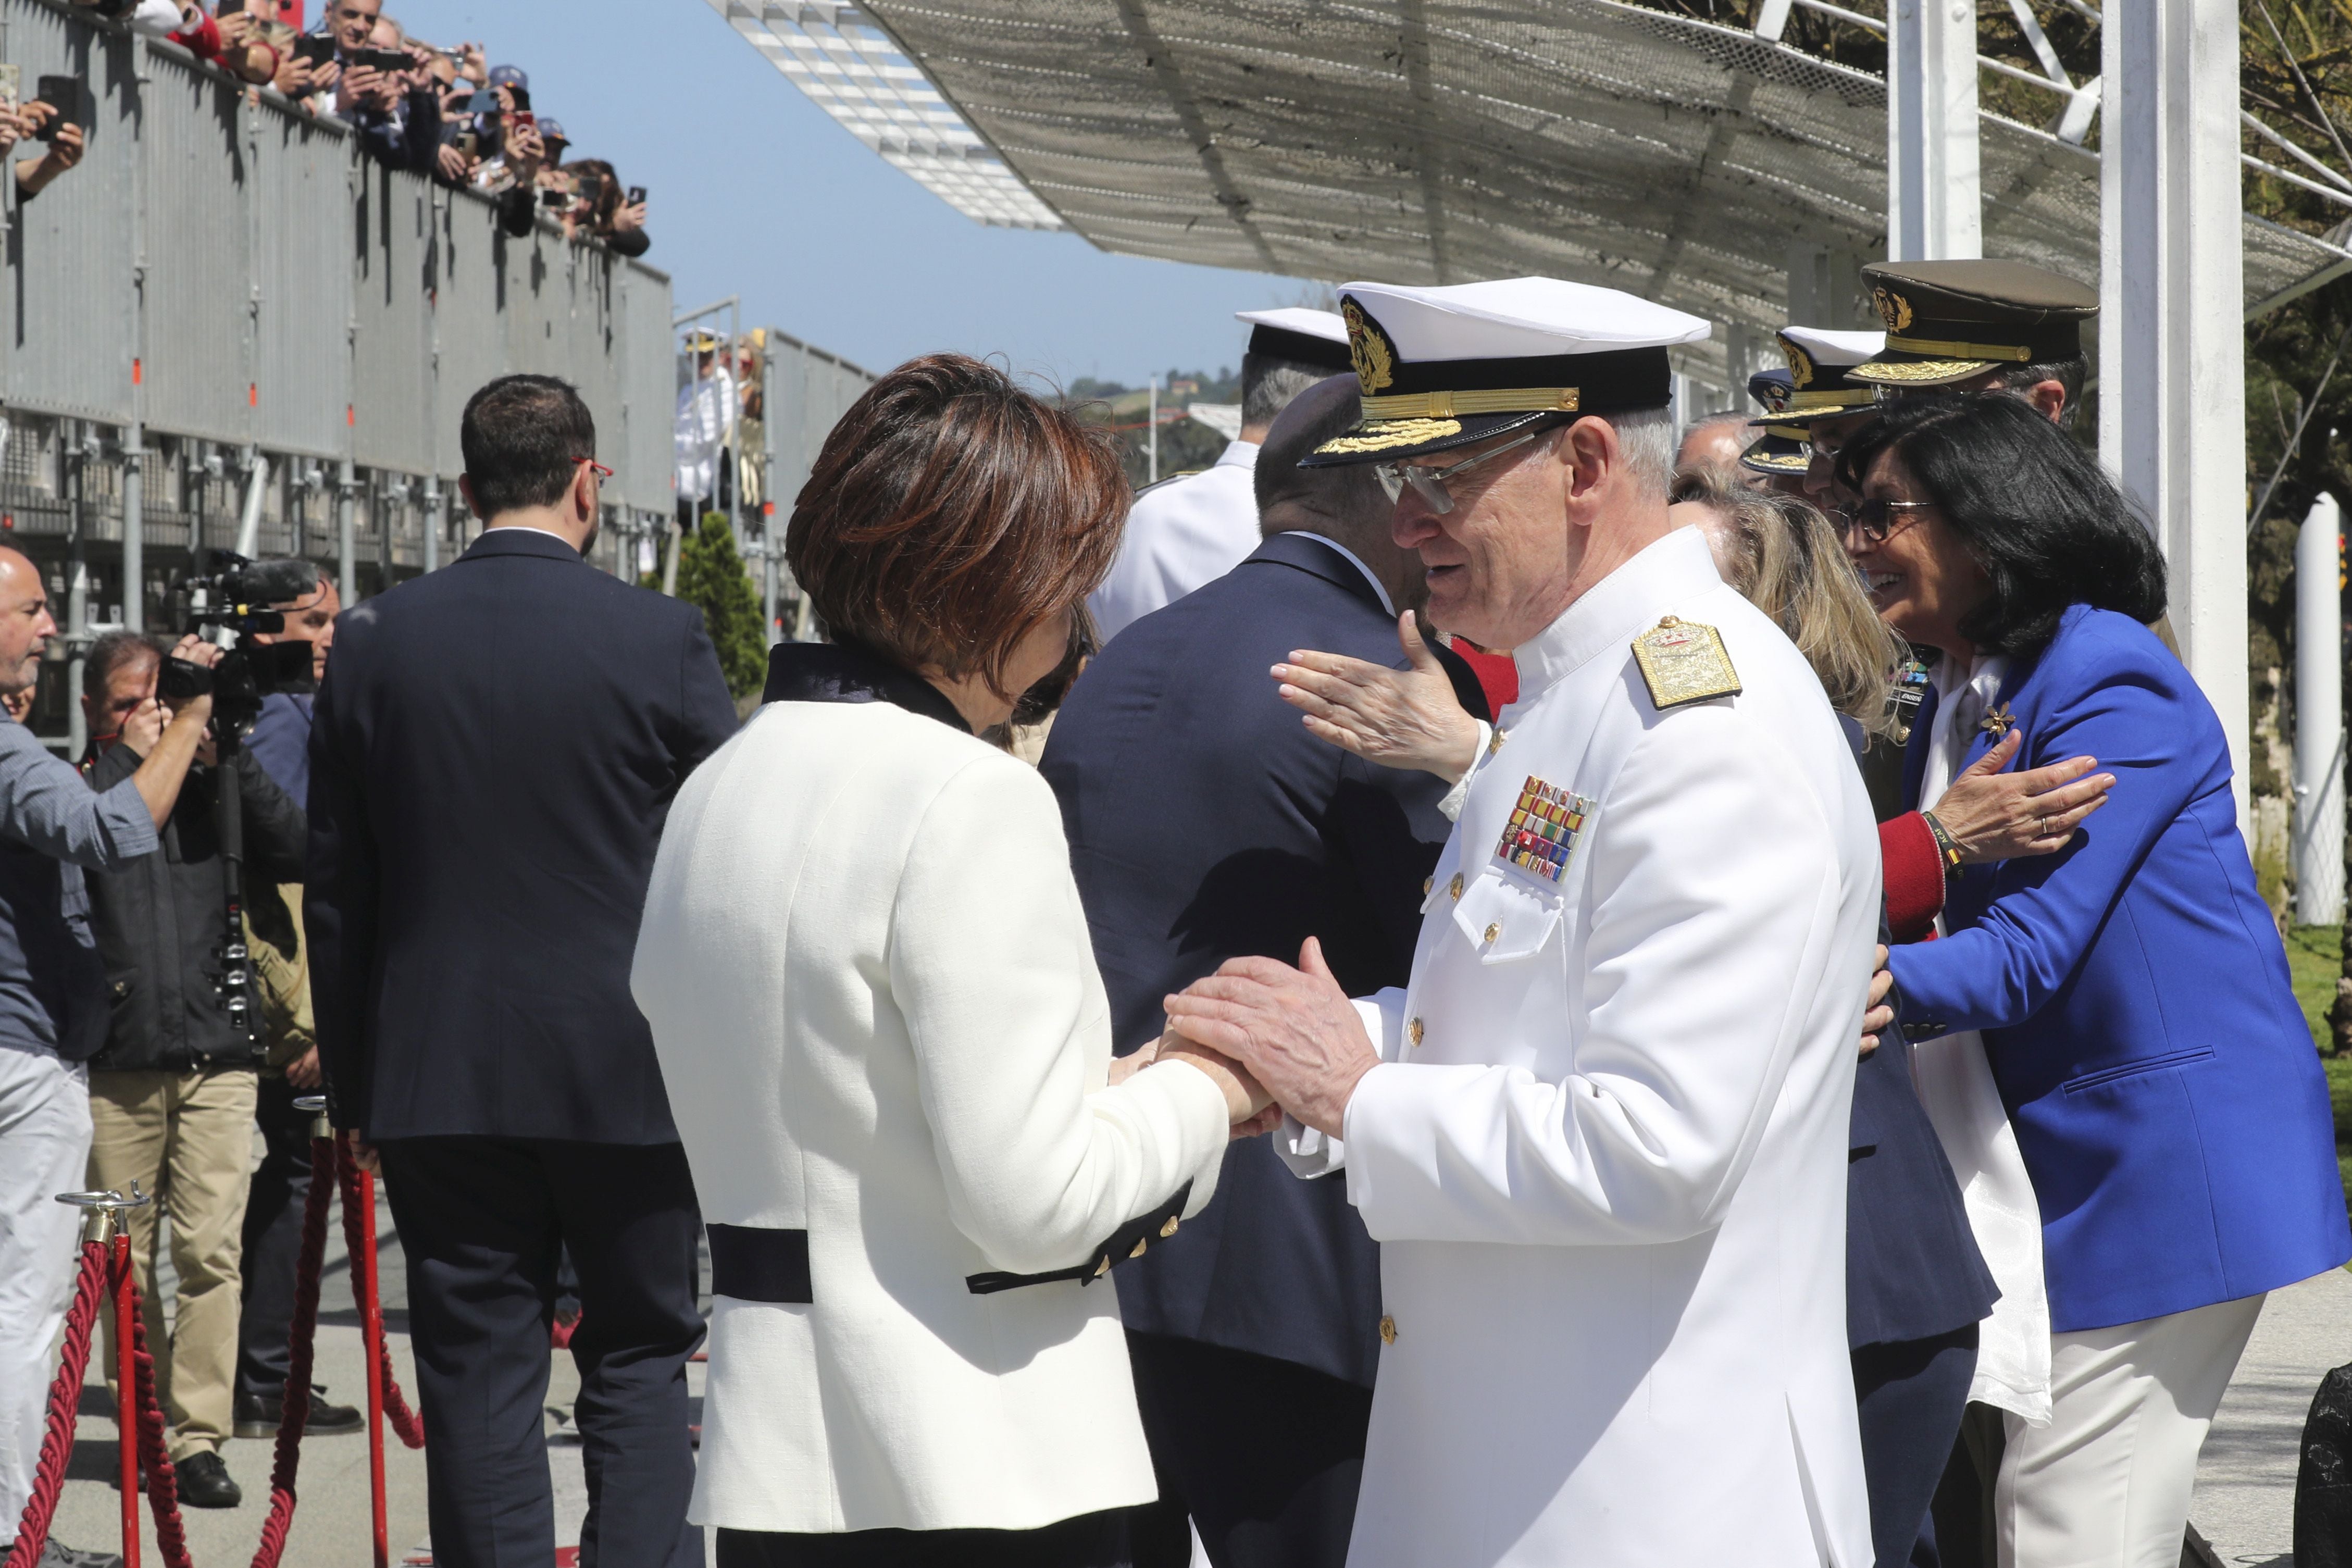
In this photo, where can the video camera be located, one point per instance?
(228, 594)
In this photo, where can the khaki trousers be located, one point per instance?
(186, 1138)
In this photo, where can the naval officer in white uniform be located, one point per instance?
(1195, 528)
(1601, 1134)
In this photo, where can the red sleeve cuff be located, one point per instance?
(204, 42)
(1915, 876)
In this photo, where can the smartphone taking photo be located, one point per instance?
(63, 93)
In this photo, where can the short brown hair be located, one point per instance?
(951, 513)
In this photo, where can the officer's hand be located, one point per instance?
(1295, 1029)
(1399, 719)
(1993, 816)
(304, 1072)
(1877, 1017)
(364, 1154)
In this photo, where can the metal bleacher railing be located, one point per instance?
(230, 290)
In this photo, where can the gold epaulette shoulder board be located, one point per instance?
(1684, 662)
(1170, 479)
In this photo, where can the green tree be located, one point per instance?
(710, 577)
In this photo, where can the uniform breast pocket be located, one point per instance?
(1506, 919)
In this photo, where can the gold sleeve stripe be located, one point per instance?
(1446, 404)
(1959, 351)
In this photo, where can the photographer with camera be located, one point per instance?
(173, 1093)
(598, 210)
(281, 1182)
(37, 119)
(53, 1008)
(382, 89)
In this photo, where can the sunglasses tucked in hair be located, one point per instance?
(2028, 503)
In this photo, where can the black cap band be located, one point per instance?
(1298, 348)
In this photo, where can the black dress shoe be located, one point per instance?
(257, 1414)
(205, 1483)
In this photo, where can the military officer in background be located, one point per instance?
(1980, 326)
(1600, 1133)
(1195, 528)
(1776, 459)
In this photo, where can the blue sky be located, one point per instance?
(755, 191)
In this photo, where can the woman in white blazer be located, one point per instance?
(884, 1038)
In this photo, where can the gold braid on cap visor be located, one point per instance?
(1375, 435)
(1941, 350)
(1496, 400)
(1847, 397)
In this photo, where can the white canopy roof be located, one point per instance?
(1422, 144)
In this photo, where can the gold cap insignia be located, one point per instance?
(1893, 309)
(1683, 661)
(1801, 365)
(1368, 349)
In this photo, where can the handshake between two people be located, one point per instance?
(1274, 1039)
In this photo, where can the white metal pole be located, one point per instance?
(2319, 716)
(2172, 420)
(1935, 207)
(248, 522)
(1151, 432)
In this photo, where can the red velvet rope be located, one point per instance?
(295, 1412)
(64, 1399)
(403, 1420)
(93, 1285)
(163, 1482)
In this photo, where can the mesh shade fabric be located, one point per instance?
(1424, 144)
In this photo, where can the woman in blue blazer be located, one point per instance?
(2130, 991)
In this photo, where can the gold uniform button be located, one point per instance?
(1388, 1330)
(1494, 931)
(1427, 883)
(1412, 1031)
(1169, 1229)
(1140, 1245)
(1454, 888)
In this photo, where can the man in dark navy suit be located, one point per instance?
(1205, 824)
(494, 750)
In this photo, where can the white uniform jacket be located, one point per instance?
(1605, 1154)
(879, 1023)
(1180, 533)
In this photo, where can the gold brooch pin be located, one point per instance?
(1999, 722)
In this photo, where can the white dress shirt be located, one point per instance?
(1182, 532)
(1955, 1087)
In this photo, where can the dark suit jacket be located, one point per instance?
(494, 750)
(1206, 823)
(1912, 1268)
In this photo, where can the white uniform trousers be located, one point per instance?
(2106, 1483)
(44, 1151)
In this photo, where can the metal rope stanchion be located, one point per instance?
(102, 1226)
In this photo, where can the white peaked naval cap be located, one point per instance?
(1325, 324)
(1444, 367)
(1836, 349)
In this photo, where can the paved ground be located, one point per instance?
(331, 1525)
(2244, 1505)
(2245, 1483)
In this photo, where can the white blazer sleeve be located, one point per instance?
(991, 965)
(1712, 909)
